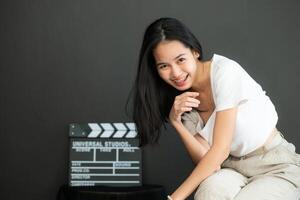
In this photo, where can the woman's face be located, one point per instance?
(176, 64)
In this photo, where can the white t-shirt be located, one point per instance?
(232, 86)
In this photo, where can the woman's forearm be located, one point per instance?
(195, 149)
(204, 168)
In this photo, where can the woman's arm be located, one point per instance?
(196, 146)
(222, 137)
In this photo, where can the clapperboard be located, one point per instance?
(104, 154)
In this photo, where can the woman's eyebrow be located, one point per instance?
(173, 59)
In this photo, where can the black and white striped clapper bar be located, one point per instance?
(104, 154)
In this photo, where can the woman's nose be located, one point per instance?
(176, 71)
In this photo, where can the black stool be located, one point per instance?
(144, 192)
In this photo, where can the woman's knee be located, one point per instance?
(223, 184)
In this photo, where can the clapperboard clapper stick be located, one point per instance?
(104, 154)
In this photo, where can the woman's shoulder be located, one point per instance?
(222, 65)
(222, 61)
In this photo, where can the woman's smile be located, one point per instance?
(181, 81)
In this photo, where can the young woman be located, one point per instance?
(224, 118)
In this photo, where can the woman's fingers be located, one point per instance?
(187, 94)
(186, 100)
(190, 104)
(191, 94)
(192, 100)
(181, 110)
(184, 103)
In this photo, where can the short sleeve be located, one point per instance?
(190, 121)
(230, 86)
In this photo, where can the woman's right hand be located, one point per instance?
(183, 103)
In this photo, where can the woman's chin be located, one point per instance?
(182, 88)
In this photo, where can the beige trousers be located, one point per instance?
(271, 172)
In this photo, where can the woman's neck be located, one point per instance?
(202, 81)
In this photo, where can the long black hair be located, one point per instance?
(152, 97)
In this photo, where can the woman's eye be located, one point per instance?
(162, 66)
(181, 59)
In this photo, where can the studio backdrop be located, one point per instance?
(66, 62)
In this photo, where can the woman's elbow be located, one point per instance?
(226, 154)
(223, 154)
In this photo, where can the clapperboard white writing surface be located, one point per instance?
(104, 154)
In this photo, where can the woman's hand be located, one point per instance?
(183, 103)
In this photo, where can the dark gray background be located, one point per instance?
(71, 61)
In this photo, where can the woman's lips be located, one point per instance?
(181, 82)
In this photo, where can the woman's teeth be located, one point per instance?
(180, 80)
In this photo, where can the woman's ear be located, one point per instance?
(196, 54)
